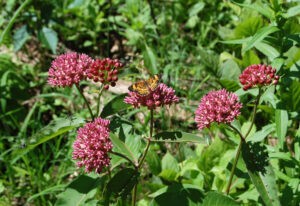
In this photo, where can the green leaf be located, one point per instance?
(267, 50)
(260, 8)
(293, 11)
(230, 85)
(178, 194)
(262, 134)
(250, 58)
(230, 70)
(218, 199)
(114, 106)
(168, 175)
(196, 8)
(281, 120)
(153, 161)
(49, 38)
(169, 162)
(54, 129)
(79, 191)
(245, 128)
(20, 37)
(121, 147)
(236, 41)
(261, 172)
(291, 98)
(259, 36)
(179, 137)
(123, 182)
(150, 60)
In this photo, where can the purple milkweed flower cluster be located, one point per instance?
(71, 68)
(68, 69)
(162, 95)
(92, 145)
(217, 106)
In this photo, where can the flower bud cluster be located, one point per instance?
(105, 71)
(258, 75)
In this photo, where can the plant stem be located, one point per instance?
(242, 140)
(144, 156)
(98, 102)
(85, 100)
(234, 165)
(254, 113)
(125, 157)
(134, 191)
(148, 140)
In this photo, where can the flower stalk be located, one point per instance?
(86, 102)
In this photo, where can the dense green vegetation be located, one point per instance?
(197, 46)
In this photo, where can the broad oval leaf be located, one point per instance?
(49, 38)
(123, 182)
(20, 37)
(217, 199)
(79, 191)
(121, 147)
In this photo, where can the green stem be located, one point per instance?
(234, 165)
(134, 191)
(148, 140)
(242, 140)
(254, 113)
(98, 102)
(85, 100)
(125, 157)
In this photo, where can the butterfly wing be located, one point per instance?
(153, 82)
(140, 87)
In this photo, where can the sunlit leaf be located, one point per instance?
(20, 37)
(281, 120)
(218, 199)
(49, 38)
(259, 36)
(80, 190)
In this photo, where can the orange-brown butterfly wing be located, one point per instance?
(140, 87)
(153, 82)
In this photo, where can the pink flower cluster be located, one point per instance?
(92, 145)
(217, 106)
(68, 69)
(162, 95)
(258, 75)
(105, 71)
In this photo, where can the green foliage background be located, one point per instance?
(197, 46)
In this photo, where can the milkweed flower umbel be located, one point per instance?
(217, 106)
(258, 75)
(68, 69)
(162, 95)
(105, 71)
(92, 145)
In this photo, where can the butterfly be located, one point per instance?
(145, 87)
